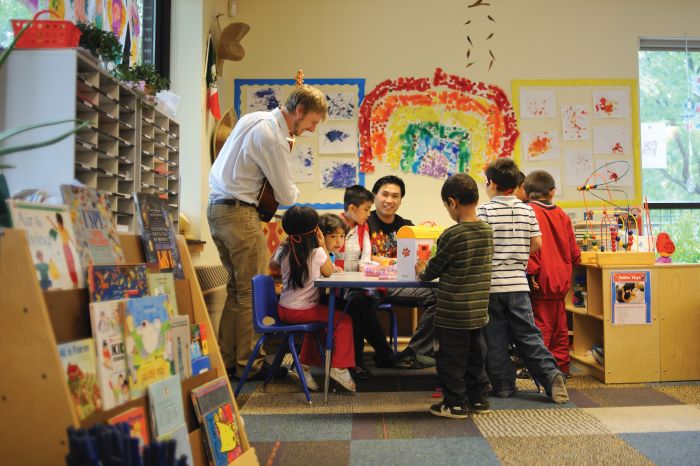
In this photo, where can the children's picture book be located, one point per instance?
(108, 282)
(223, 439)
(78, 361)
(108, 334)
(180, 338)
(136, 418)
(168, 414)
(182, 442)
(51, 243)
(158, 234)
(164, 283)
(199, 349)
(95, 229)
(209, 396)
(148, 355)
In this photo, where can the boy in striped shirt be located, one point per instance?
(516, 235)
(463, 263)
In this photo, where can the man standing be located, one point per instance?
(383, 224)
(258, 149)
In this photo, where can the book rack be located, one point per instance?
(34, 398)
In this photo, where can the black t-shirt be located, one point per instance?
(383, 235)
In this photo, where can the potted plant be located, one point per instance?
(103, 45)
(143, 77)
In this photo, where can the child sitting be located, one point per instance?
(334, 231)
(303, 258)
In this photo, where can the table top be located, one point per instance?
(359, 280)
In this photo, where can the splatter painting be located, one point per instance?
(579, 166)
(611, 104)
(617, 172)
(615, 140)
(337, 138)
(654, 145)
(264, 99)
(302, 163)
(338, 174)
(541, 145)
(436, 126)
(575, 122)
(538, 104)
(341, 105)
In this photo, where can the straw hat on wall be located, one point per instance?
(221, 132)
(230, 47)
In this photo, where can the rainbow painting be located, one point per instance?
(436, 127)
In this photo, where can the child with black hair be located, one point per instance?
(520, 188)
(462, 261)
(357, 202)
(334, 231)
(516, 235)
(303, 258)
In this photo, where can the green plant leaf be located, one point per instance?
(6, 53)
(80, 124)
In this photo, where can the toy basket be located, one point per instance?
(42, 34)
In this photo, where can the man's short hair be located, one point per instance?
(357, 195)
(504, 172)
(539, 184)
(310, 99)
(460, 187)
(389, 179)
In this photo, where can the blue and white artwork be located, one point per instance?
(341, 105)
(338, 174)
(264, 98)
(302, 163)
(337, 138)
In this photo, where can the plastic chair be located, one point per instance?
(267, 323)
(394, 337)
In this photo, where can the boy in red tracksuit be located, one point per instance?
(549, 269)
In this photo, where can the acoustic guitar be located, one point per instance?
(267, 204)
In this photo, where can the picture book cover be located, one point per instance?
(95, 230)
(223, 439)
(78, 361)
(51, 243)
(109, 282)
(164, 283)
(182, 445)
(165, 401)
(146, 330)
(138, 428)
(158, 234)
(209, 396)
(108, 334)
(180, 339)
(199, 349)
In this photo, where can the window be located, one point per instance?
(669, 91)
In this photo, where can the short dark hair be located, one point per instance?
(389, 179)
(357, 195)
(460, 187)
(328, 223)
(521, 178)
(504, 172)
(539, 184)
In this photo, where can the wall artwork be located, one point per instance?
(579, 164)
(435, 126)
(265, 99)
(611, 104)
(338, 174)
(341, 105)
(654, 145)
(541, 145)
(538, 104)
(337, 138)
(613, 140)
(302, 163)
(575, 122)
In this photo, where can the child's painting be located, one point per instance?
(616, 172)
(541, 145)
(579, 166)
(338, 174)
(337, 138)
(615, 140)
(654, 145)
(264, 99)
(302, 163)
(341, 105)
(611, 104)
(435, 150)
(575, 123)
(538, 104)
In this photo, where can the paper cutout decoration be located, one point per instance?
(302, 163)
(575, 122)
(337, 174)
(579, 166)
(654, 145)
(436, 126)
(341, 105)
(615, 140)
(538, 104)
(337, 138)
(541, 145)
(611, 104)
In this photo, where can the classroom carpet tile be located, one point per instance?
(538, 422)
(317, 427)
(679, 418)
(386, 426)
(422, 452)
(667, 448)
(604, 449)
(688, 394)
(579, 399)
(526, 399)
(285, 453)
(642, 396)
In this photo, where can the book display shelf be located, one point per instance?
(662, 350)
(127, 146)
(34, 396)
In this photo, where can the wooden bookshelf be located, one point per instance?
(34, 397)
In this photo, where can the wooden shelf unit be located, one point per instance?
(664, 350)
(35, 401)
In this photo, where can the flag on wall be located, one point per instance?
(212, 88)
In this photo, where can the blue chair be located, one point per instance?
(267, 323)
(386, 307)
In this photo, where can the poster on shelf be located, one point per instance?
(631, 297)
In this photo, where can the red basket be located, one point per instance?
(43, 34)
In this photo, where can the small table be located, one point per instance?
(354, 280)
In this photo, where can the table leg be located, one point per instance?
(329, 345)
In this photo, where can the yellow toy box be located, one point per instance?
(414, 243)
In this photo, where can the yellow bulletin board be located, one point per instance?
(585, 132)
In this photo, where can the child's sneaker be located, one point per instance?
(344, 379)
(310, 382)
(454, 412)
(559, 393)
(482, 407)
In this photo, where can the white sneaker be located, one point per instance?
(310, 382)
(343, 377)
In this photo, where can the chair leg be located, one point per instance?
(255, 352)
(297, 364)
(394, 331)
(320, 348)
(276, 363)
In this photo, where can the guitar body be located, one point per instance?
(267, 204)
